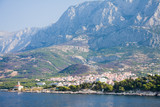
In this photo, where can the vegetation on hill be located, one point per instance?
(149, 83)
(39, 63)
(70, 60)
(75, 69)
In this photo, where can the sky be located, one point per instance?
(19, 14)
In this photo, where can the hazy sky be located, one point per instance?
(19, 14)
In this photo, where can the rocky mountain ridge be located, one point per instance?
(105, 23)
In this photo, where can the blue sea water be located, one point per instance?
(8, 99)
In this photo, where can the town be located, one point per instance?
(124, 83)
(107, 77)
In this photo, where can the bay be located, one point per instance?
(8, 99)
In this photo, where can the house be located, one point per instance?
(101, 80)
(18, 87)
(41, 83)
(60, 84)
(37, 80)
(57, 84)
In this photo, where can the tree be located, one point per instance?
(85, 85)
(146, 87)
(73, 88)
(108, 88)
(121, 89)
(63, 88)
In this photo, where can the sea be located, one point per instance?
(10, 99)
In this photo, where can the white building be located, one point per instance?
(41, 83)
(60, 84)
(18, 87)
(37, 80)
(101, 80)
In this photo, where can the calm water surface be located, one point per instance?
(70, 100)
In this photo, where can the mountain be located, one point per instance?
(15, 41)
(100, 36)
(104, 24)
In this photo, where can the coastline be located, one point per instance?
(138, 93)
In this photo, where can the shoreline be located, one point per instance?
(139, 93)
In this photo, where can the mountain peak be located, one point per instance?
(107, 23)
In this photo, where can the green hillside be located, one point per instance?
(75, 69)
(76, 60)
(36, 64)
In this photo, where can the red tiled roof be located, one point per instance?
(18, 85)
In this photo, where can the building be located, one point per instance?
(101, 80)
(41, 83)
(18, 87)
(60, 84)
(37, 80)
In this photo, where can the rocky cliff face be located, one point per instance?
(16, 41)
(108, 23)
